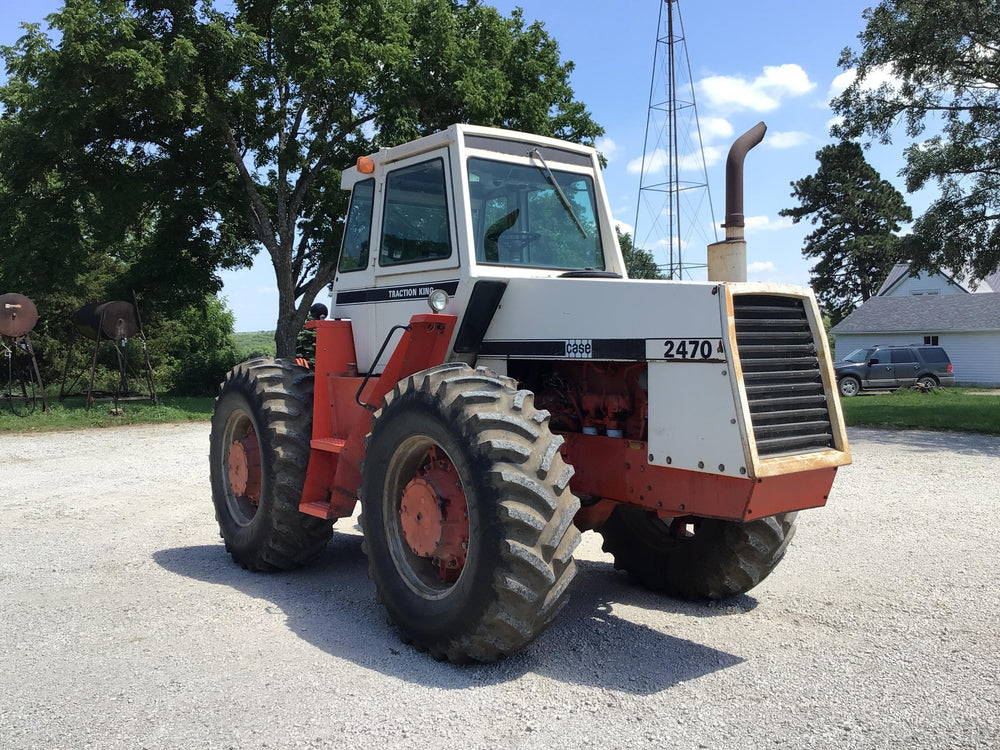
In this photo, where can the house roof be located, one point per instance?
(992, 281)
(901, 270)
(924, 314)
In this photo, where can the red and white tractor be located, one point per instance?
(491, 383)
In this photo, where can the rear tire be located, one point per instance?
(500, 495)
(696, 558)
(927, 383)
(259, 450)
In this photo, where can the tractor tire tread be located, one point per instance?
(279, 394)
(501, 427)
(723, 559)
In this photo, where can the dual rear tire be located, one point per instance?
(258, 454)
(696, 558)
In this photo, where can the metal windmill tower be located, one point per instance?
(674, 215)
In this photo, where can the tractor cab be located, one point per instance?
(466, 204)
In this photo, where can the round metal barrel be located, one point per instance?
(115, 320)
(18, 315)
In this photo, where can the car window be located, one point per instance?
(900, 356)
(934, 354)
(858, 355)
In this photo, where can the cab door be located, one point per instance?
(399, 244)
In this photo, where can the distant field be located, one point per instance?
(256, 342)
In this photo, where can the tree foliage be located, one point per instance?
(193, 349)
(942, 58)
(639, 263)
(857, 215)
(180, 137)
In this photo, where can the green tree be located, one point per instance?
(185, 138)
(857, 215)
(193, 349)
(942, 56)
(639, 263)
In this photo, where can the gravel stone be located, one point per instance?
(124, 624)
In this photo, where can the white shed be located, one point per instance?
(966, 325)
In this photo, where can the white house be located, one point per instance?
(964, 318)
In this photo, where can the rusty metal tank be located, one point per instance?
(18, 315)
(113, 320)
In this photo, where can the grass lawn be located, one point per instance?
(947, 409)
(70, 414)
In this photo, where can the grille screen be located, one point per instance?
(781, 375)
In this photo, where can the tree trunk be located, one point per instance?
(289, 323)
(289, 320)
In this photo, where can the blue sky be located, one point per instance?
(771, 60)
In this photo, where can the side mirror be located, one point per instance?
(873, 361)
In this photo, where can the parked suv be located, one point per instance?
(880, 367)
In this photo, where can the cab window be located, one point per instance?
(415, 225)
(531, 215)
(358, 232)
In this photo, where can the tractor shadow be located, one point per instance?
(332, 606)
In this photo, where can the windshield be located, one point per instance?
(859, 355)
(520, 219)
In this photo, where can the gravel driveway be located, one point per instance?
(123, 624)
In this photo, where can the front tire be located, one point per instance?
(467, 514)
(259, 451)
(696, 558)
(849, 386)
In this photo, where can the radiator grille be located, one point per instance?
(781, 374)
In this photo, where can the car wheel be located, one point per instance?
(849, 386)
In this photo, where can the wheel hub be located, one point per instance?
(244, 466)
(434, 516)
(421, 517)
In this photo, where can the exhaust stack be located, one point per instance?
(727, 260)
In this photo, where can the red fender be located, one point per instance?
(340, 423)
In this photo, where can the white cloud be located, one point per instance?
(653, 162)
(763, 94)
(623, 227)
(761, 266)
(786, 139)
(692, 162)
(876, 77)
(607, 147)
(715, 127)
(766, 223)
